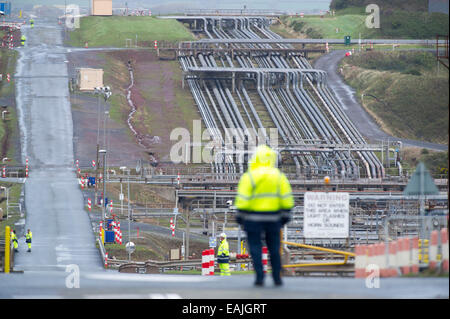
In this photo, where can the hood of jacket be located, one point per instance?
(263, 157)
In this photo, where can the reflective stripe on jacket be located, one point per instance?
(264, 192)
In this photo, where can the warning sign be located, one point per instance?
(326, 215)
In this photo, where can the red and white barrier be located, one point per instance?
(205, 262)
(381, 259)
(264, 258)
(89, 204)
(4, 172)
(404, 255)
(392, 259)
(117, 232)
(433, 250)
(444, 248)
(415, 255)
(360, 261)
(211, 261)
(373, 254)
(172, 227)
(106, 260)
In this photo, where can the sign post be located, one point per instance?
(326, 215)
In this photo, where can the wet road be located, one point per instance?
(61, 229)
(357, 114)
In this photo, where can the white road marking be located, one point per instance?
(147, 278)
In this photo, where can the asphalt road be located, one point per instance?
(357, 114)
(64, 262)
(61, 229)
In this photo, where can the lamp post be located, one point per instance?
(104, 183)
(106, 92)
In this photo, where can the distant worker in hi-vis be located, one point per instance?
(32, 22)
(23, 39)
(223, 256)
(14, 241)
(264, 201)
(28, 237)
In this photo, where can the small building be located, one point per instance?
(101, 7)
(88, 79)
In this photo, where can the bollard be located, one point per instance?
(89, 204)
(433, 249)
(211, 261)
(205, 263)
(444, 247)
(7, 249)
(106, 260)
(264, 259)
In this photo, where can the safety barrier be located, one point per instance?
(206, 262)
(402, 256)
(264, 259)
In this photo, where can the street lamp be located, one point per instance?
(104, 184)
(106, 92)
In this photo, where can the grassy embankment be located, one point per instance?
(8, 135)
(114, 31)
(407, 96)
(397, 21)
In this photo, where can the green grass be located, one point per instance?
(14, 196)
(403, 90)
(317, 27)
(8, 59)
(113, 31)
(350, 21)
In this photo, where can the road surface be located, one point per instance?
(64, 262)
(357, 114)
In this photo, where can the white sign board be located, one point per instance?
(326, 215)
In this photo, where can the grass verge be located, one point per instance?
(114, 31)
(403, 90)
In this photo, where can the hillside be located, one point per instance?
(403, 91)
(114, 31)
(385, 5)
(398, 19)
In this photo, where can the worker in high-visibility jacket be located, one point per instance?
(23, 39)
(28, 237)
(223, 255)
(264, 201)
(32, 22)
(15, 241)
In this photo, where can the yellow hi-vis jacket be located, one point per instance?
(223, 253)
(264, 193)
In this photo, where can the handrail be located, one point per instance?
(339, 252)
